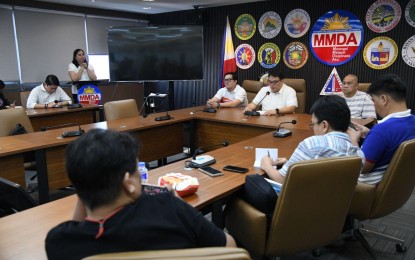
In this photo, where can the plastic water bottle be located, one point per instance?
(143, 171)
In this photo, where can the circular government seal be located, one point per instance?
(295, 55)
(336, 37)
(410, 13)
(245, 56)
(269, 55)
(297, 23)
(269, 25)
(408, 51)
(383, 15)
(380, 53)
(245, 26)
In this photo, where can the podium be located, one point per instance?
(96, 91)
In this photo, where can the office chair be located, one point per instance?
(207, 253)
(376, 201)
(120, 109)
(310, 211)
(11, 117)
(13, 198)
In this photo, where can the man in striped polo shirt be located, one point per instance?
(360, 103)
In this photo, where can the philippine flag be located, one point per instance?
(228, 53)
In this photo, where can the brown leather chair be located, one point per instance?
(376, 201)
(299, 85)
(207, 253)
(252, 87)
(363, 86)
(11, 117)
(120, 109)
(300, 88)
(24, 95)
(310, 211)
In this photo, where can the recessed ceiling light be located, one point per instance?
(147, 7)
(148, 0)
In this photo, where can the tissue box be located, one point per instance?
(183, 184)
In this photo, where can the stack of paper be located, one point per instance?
(261, 152)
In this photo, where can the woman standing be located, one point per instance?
(80, 70)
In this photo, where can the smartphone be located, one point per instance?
(153, 189)
(235, 169)
(210, 171)
(351, 125)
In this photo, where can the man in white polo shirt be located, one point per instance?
(232, 95)
(276, 98)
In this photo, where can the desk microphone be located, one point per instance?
(284, 132)
(254, 112)
(44, 128)
(163, 118)
(78, 132)
(204, 160)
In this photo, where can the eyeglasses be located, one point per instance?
(273, 81)
(312, 124)
(227, 80)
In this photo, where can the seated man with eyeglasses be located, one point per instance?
(329, 121)
(277, 98)
(232, 95)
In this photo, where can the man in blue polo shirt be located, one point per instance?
(398, 125)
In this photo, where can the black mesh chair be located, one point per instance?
(13, 198)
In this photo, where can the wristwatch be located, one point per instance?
(218, 105)
(277, 111)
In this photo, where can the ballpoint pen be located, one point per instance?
(268, 154)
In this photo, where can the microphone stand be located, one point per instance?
(254, 112)
(281, 133)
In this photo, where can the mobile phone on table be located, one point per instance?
(210, 171)
(153, 189)
(235, 169)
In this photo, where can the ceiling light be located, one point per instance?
(147, 7)
(148, 0)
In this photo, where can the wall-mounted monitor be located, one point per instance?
(156, 53)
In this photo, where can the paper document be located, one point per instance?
(261, 152)
(261, 112)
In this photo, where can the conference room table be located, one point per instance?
(188, 128)
(23, 233)
(53, 117)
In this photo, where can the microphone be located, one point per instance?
(254, 112)
(284, 132)
(78, 132)
(44, 128)
(204, 160)
(167, 116)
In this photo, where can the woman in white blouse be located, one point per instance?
(80, 70)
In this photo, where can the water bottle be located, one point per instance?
(143, 171)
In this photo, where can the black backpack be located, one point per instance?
(260, 194)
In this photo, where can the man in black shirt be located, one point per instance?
(112, 215)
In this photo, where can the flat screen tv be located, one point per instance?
(156, 53)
